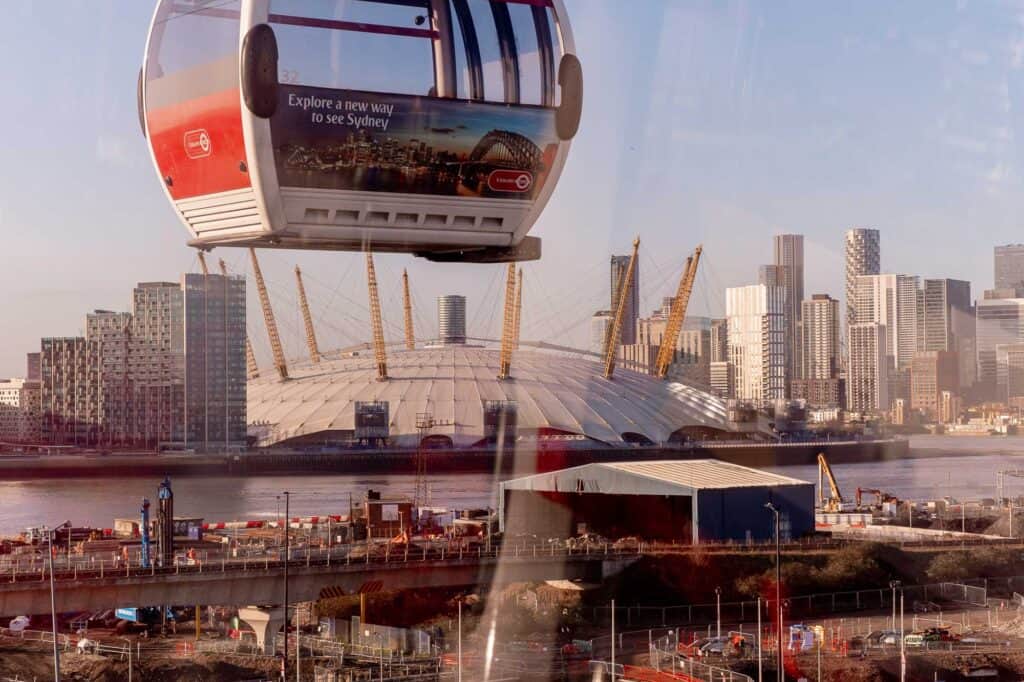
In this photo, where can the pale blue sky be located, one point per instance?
(715, 122)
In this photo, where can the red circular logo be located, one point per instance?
(510, 181)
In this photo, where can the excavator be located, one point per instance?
(880, 496)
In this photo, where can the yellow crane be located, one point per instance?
(410, 336)
(252, 370)
(376, 323)
(834, 502)
(307, 318)
(677, 314)
(508, 324)
(611, 346)
(268, 317)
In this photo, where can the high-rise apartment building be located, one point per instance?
(818, 353)
(158, 328)
(819, 338)
(1009, 371)
(867, 379)
(863, 257)
(619, 266)
(890, 300)
(111, 332)
(70, 406)
(1008, 266)
(946, 321)
(756, 316)
(781, 276)
(999, 321)
(719, 347)
(172, 371)
(789, 256)
(214, 360)
(931, 373)
(451, 318)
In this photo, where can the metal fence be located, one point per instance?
(973, 592)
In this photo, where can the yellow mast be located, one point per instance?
(508, 324)
(677, 314)
(519, 309)
(615, 332)
(410, 337)
(375, 320)
(202, 262)
(314, 349)
(268, 317)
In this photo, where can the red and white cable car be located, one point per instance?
(434, 127)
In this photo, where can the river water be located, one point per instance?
(949, 465)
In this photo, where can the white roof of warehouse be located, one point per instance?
(560, 392)
(656, 477)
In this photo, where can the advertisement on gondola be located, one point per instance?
(375, 142)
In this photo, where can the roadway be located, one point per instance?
(246, 581)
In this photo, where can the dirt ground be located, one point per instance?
(920, 668)
(28, 663)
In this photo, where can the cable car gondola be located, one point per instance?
(434, 127)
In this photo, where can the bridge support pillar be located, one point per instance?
(265, 622)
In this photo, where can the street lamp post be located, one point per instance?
(778, 589)
(893, 584)
(287, 555)
(718, 611)
(53, 607)
(903, 644)
(460, 641)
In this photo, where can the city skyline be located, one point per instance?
(733, 146)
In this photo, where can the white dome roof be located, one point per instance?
(558, 392)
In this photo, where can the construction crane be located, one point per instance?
(519, 308)
(677, 314)
(202, 262)
(611, 346)
(834, 502)
(410, 336)
(314, 349)
(268, 317)
(376, 323)
(252, 370)
(424, 423)
(508, 324)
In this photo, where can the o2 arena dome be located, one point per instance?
(441, 392)
(449, 394)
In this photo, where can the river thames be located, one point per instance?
(943, 465)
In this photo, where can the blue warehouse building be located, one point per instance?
(690, 501)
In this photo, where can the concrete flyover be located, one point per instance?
(261, 581)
